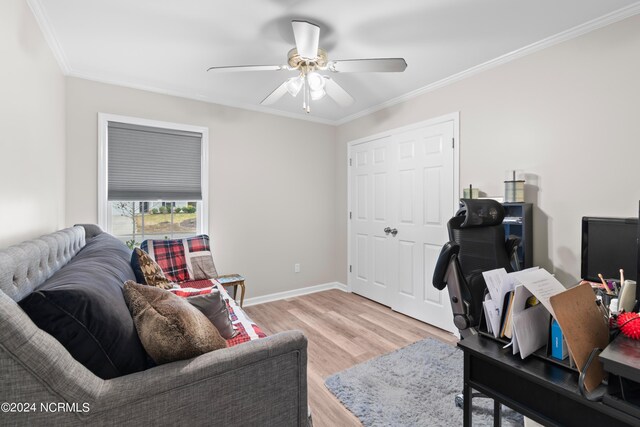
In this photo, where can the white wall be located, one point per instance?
(272, 182)
(567, 115)
(32, 132)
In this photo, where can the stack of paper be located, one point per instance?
(526, 324)
(501, 286)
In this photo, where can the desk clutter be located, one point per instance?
(521, 307)
(532, 313)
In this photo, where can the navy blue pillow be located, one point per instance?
(137, 269)
(83, 307)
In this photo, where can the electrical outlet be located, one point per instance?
(296, 268)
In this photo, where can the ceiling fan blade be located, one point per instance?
(248, 68)
(307, 37)
(368, 65)
(337, 93)
(275, 95)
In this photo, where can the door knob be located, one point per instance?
(387, 230)
(394, 232)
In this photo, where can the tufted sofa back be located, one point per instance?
(27, 265)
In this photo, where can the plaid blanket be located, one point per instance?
(247, 329)
(182, 259)
(170, 256)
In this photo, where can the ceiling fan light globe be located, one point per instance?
(317, 94)
(316, 81)
(294, 85)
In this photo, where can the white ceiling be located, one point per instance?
(167, 45)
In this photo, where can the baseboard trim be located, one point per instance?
(294, 293)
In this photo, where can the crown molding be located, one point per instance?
(49, 35)
(579, 30)
(595, 24)
(202, 98)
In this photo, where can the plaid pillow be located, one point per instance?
(183, 259)
(169, 254)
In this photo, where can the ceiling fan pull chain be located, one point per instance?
(307, 97)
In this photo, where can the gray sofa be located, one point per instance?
(259, 383)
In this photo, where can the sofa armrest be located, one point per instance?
(256, 383)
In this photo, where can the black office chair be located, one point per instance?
(477, 244)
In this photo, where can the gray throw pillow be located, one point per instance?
(213, 306)
(169, 328)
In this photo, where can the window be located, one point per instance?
(152, 179)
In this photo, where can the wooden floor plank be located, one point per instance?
(343, 329)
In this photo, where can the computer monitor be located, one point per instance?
(609, 244)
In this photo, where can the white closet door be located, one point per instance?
(370, 191)
(403, 183)
(425, 191)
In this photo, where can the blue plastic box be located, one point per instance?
(558, 344)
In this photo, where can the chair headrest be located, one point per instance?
(482, 213)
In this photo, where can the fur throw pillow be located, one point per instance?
(169, 328)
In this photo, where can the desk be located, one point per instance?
(621, 359)
(542, 391)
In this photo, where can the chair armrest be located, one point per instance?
(439, 273)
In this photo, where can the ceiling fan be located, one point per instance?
(308, 58)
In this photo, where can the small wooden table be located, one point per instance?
(234, 280)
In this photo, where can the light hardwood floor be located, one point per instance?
(343, 330)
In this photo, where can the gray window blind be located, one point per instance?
(148, 163)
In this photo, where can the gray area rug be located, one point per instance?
(412, 386)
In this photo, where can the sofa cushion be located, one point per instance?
(147, 271)
(90, 230)
(82, 306)
(214, 307)
(183, 259)
(169, 327)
